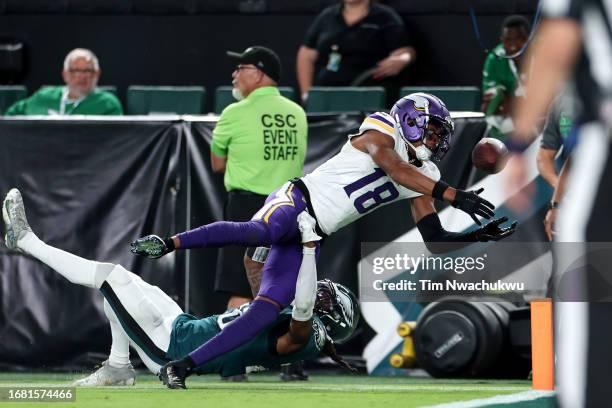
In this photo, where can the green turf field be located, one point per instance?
(266, 390)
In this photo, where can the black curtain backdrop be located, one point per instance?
(90, 187)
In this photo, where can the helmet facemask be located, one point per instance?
(424, 152)
(413, 115)
(443, 133)
(338, 309)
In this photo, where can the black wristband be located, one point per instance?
(439, 189)
(554, 204)
(169, 244)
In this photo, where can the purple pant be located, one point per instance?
(283, 263)
(275, 224)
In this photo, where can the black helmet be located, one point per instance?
(338, 309)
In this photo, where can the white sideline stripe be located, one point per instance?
(262, 386)
(499, 399)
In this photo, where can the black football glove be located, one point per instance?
(174, 373)
(471, 203)
(493, 232)
(152, 246)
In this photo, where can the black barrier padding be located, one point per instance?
(208, 197)
(89, 188)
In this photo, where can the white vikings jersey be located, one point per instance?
(350, 184)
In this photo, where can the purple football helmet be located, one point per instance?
(412, 114)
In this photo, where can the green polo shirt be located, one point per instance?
(497, 73)
(264, 139)
(48, 101)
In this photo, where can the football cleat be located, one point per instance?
(173, 376)
(15, 221)
(107, 375)
(293, 372)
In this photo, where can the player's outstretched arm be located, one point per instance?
(430, 227)
(381, 148)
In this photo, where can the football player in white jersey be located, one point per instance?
(391, 158)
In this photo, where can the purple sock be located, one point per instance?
(260, 314)
(221, 233)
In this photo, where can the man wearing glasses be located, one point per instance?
(258, 143)
(78, 97)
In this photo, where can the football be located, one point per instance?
(490, 155)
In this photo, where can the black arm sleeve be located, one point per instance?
(432, 232)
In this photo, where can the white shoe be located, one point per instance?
(307, 225)
(15, 221)
(107, 375)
